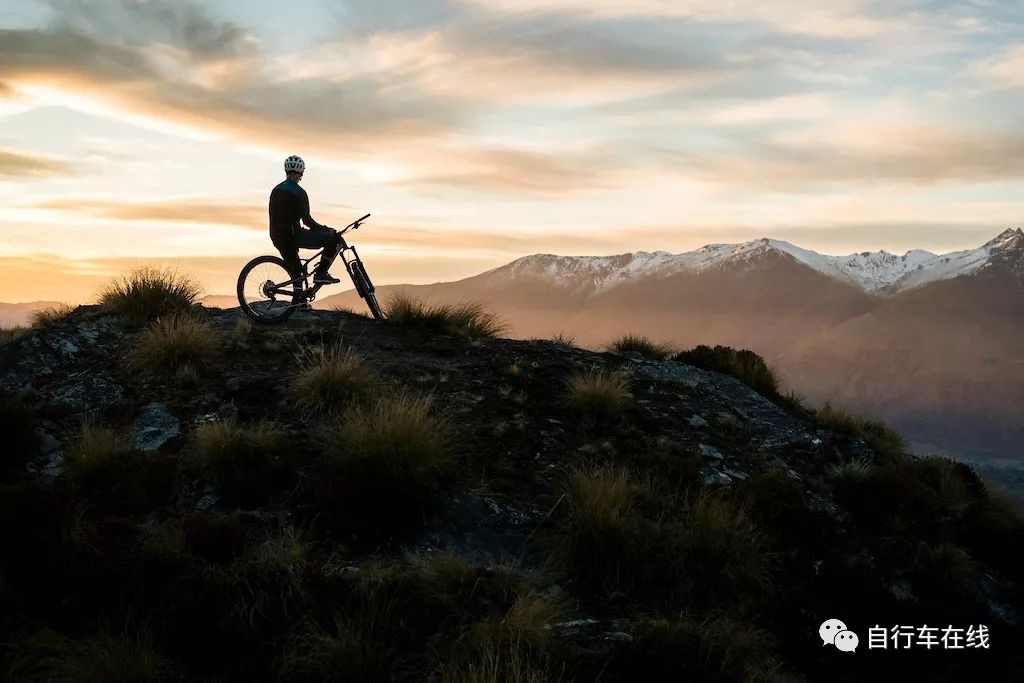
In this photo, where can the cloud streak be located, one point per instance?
(14, 164)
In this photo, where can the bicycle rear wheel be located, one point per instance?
(263, 293)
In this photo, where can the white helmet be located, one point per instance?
(294, 164)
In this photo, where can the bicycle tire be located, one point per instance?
(282, 313)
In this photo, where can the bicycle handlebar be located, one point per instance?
(353, 225)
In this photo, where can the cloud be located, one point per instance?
(1004, 71)
(24, 165)
(839, 19)
(192, 210)
(869, 154)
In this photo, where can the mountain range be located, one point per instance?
(933, 343)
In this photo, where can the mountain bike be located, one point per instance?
(269, 292)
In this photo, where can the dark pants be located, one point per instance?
(289, 245)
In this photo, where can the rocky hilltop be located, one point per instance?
(344, 499)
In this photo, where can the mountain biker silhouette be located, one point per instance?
(289, 204)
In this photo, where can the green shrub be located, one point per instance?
(388, 459)
(51, 315)
(887, 444)
(108, 467)
(598, 394)
(149, 293)
(633, 343)
(241, 461)
(743, 364)
(170, 343)
(468, 319)
(330, 378)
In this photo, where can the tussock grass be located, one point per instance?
(887, 443)
(469, 319)
(105, 464)
(329, 378)
(603, 540)
(166, 545)
(634, 343)
(850, 473)
(169, 343)
(9, 334)
(598, 394)
(104, 658)
(51, 315)
(186, 375)
(743, 364)
(240, 460)
(148, 293)
(353, 650)
(721, 552)
(946, 567)
(565, 340)
(387, 461)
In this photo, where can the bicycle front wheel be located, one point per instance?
(371, 301)
(263, 290)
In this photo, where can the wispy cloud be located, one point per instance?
(1004, 70)
(16, 164)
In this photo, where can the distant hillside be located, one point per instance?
(17, 315)
(930, 342)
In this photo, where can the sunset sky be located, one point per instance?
(478, 131)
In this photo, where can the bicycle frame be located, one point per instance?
(348, 255)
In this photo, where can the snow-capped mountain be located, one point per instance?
(877, 272)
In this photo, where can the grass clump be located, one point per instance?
(148, 293)
(598, 394)
(388, 460)
(330, 378)
(564, 340)
(106, 465)
(170, 343)
(240, 460)
(51, 315)
(721, 553)
(471, 320)
(887, 443)
(634, 343)
(104, 658)
(603, 539)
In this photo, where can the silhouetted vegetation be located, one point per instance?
(633, 343)
(149, 293)
(51, 315)
(471, 320)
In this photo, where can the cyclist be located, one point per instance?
(289, 204)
